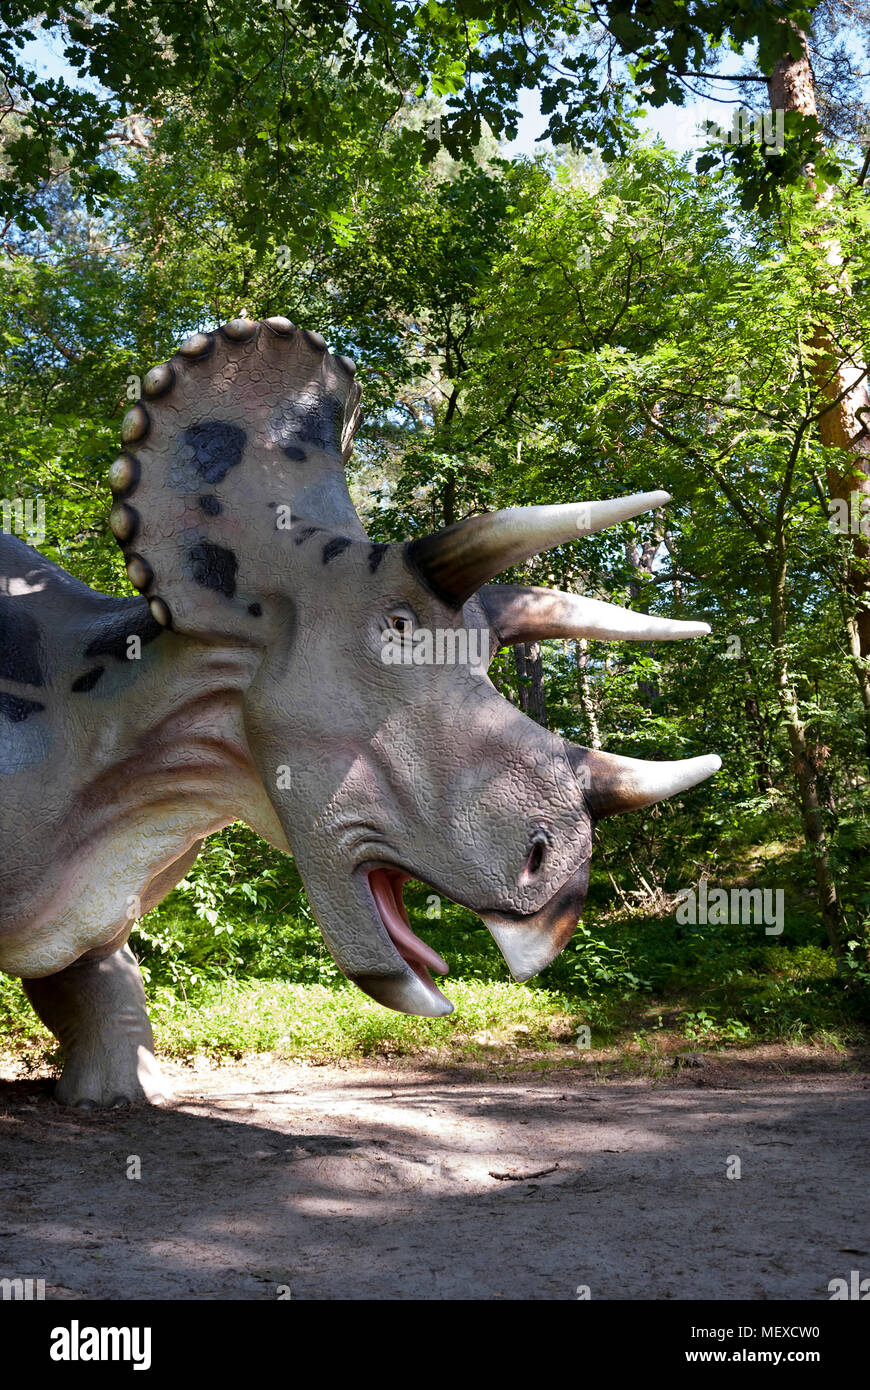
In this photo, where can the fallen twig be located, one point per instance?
(524, 1177)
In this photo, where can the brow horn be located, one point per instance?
(455, 562)
(520, 613)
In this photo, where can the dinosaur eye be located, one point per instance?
(397, 628)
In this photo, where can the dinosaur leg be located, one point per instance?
(96, 1008)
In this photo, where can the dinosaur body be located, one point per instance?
(265, 676)
(116, 765)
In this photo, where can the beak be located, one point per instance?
(528, 944)
(404, 993)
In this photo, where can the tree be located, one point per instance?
(663, 341)
(266, 74)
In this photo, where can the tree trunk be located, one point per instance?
(530, 674)
(791, 88)
(641, 560)
(581, 656)
(763, 779)
(802, 763)
(859, 662)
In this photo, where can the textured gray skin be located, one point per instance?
(258, 692)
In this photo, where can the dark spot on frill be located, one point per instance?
(16, 710)
(376, 555)
(314, 422)
(255, 610)
(87, 681)
(19, 644)
(213, 567)
(216, 446)
(335, 547)
(210, 505)
(321, 424)
(306, 531)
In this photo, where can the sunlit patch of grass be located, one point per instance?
(294, 1020)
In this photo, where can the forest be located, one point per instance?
(601, 315)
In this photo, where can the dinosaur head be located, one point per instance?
(380, 740)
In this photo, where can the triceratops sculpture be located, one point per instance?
(264, 677)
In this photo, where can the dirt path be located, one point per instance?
(379, 1182)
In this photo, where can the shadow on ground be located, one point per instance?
(376, 1183)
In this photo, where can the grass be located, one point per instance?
(317, 1021)
(232, 1018)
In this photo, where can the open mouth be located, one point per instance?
(386, 889)
(528, 941)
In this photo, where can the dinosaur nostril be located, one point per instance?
(535, 859)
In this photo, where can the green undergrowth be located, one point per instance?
(252, 976)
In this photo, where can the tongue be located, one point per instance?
(386, 886)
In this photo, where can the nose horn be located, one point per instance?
(612, 784)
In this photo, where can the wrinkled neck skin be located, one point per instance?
(122, 782)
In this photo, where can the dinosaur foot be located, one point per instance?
(111, 1078)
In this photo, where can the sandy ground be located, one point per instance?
(392, 1182)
